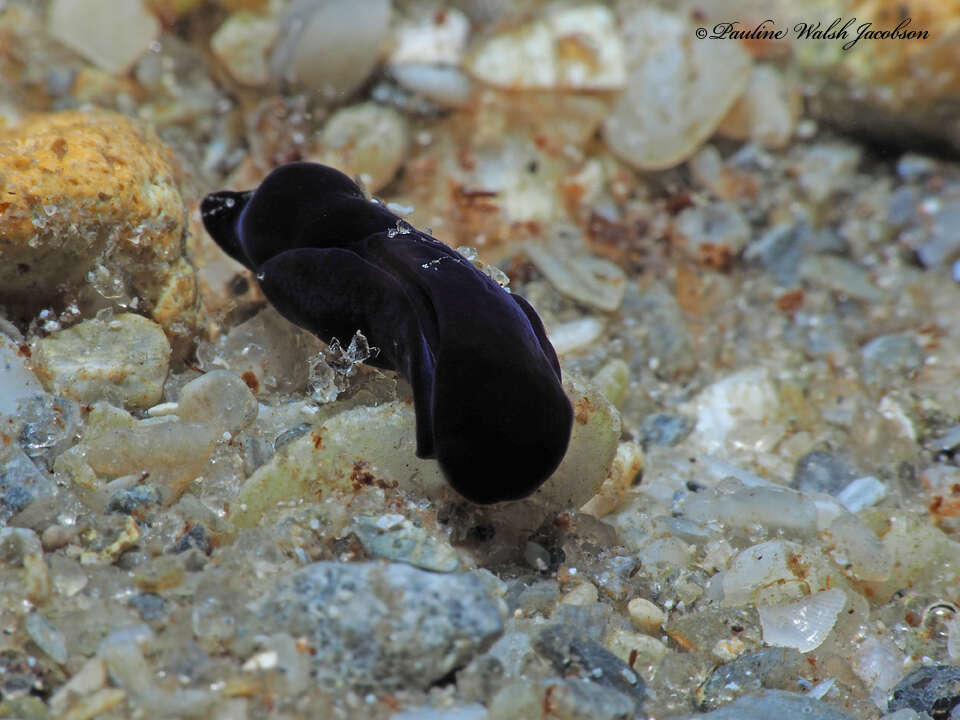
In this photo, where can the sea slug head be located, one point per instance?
(220, 212)
(302, 204)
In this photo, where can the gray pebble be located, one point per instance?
(568, 650)
(47, 636)
(150, 606)
(822, 471)
(663, 429)
(377, 625)
(781, 248)
(933, 689)
(404, 542)
(769, 667)
(129, 499)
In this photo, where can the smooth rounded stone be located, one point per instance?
(375, 445)
(123, 360)
(92, 207)
(678, 89)
(767, 668)
(890, 356)
(590, 455)
(735, 410)
(17, 381)
(584, 593)
(384, 626)
(447, 86)
(569, 47)
(933, 689)
(242, 43)
(805, 624)
(324, 48)
(821, 471)
(645, 615)
(394, 538)
(112, 34)
(581, 699)
(592, 281)
(766, 113)
(47, 637)
(715, 233)
(368, 141)
(566, 649)
(218, 399)
(774, 704)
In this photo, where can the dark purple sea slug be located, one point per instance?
(487, 394)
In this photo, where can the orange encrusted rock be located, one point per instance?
(89, 206)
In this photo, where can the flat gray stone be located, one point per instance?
(379, 625)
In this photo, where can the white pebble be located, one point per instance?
(242, 44)
(583, 594)
(678, 90)
(645, 615)
(112, 34)
(324, 48)
(576, 335)
(862, 493)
